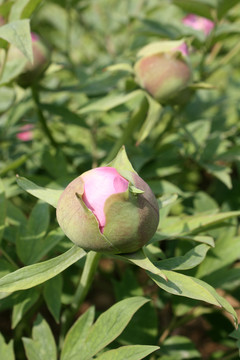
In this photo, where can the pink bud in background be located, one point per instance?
(109, 209)
(99, 184)
(164, 74)
(26, 133)
(183, 49)
(198, 23)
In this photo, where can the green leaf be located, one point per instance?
(6, 350)
(3, 207)
(52, 296)
(64, 113)
(180, 347)
(42, 345)
(34, 232)
(77, 334)
(191, 259)
(226, 252)
(224, 6)
(33, 275)
(143, 328)
(50, 196)
(186, 225)
(140, 259)
(153, 115)
(220, 172)
(7, 97)
(108, 327)
(131, 352)
(193, 288)
(120, 67)
(166, 200)
(109, 102)
(25, 301)
(18, 34)
(43, 246)
(198, 7)
(23, 9)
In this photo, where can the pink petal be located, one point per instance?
(99, 184)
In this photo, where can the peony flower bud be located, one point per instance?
(109, 209)
(34, 70)
(198, 23)
(29, 72)
(26, 133)
(163, 69)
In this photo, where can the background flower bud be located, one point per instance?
(103, 210)
(25, 133)
(34, 70)
(198, 23)
(28, 72)
(163, 73)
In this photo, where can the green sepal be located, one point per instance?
(159, 47)
(134, 190)
(122, 221)
(122, 164)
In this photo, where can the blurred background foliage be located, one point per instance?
(79, 110)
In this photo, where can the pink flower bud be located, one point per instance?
(99, 184)
(164, 74)
(198, 23)
(108, 209)
(25, 133)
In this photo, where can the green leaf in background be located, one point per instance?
(131, 352)
(7, 97)
(3, 207)
(23, 9)
(226, 252)
(153, 116)
(6, 350)
(18, 34)
(108, 327)
(109, 102)
(179, 347)
(25, 301)
(193, 288)
(224, 6)
(32, 275)
(67, 116)
(76, 336)
(50, 196)
(220, 172)
(52, 296)
(186, 225)
(44, 245)
(143, 328)
(191, 259)
(55, 163)
(198, 7)
(42, 345)
(36, 229)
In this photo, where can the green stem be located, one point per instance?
(137, 118)
(85, 282)
(86, 279)
(41, 117)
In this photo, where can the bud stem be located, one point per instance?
(136, 119)
(41, 117)
(86, 279)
